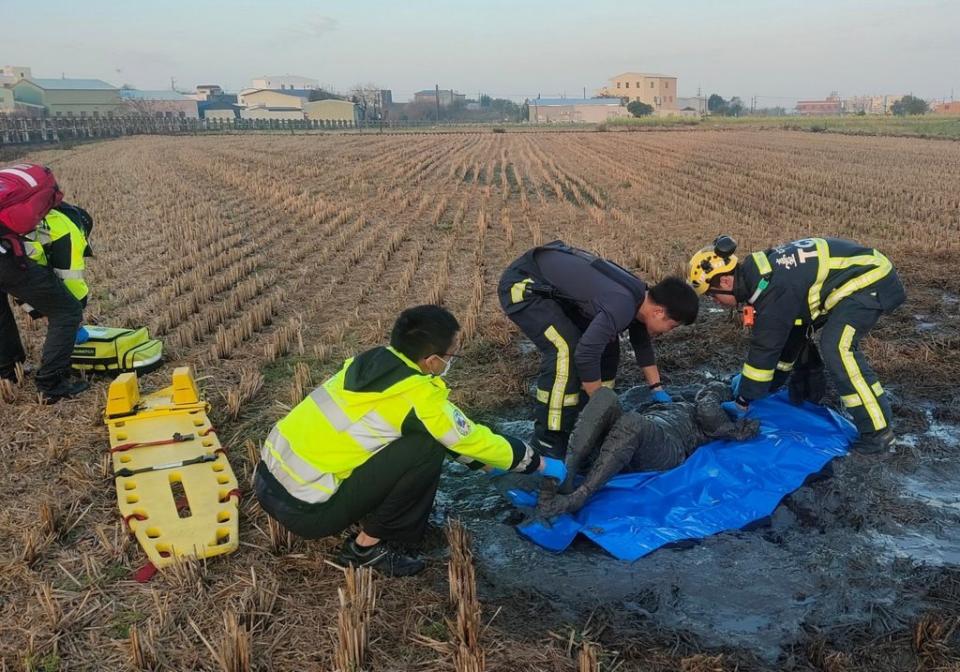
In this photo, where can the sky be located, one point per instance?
(777, 50)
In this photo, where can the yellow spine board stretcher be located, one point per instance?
(179, 496)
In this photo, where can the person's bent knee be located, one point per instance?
(70, 313)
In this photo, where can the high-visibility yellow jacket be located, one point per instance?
(373, 400)
(59, 243)
(796, 285)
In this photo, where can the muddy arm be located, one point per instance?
(714, 421)
(600, 413)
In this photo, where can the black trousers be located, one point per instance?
(390, 495)
(858, 385)
(41, 288)
(555, 329)
(848, 368)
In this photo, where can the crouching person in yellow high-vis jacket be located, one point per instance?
(61, 242)
(367, 446)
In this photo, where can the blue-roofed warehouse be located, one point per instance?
(159, 103)
(575, 110)
(69, 97)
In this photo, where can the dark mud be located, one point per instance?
(849, 552)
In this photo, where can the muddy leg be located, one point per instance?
(615, 454)
(600, 413)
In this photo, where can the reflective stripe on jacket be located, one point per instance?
(60, 243)
(807, 279)
(373, 400)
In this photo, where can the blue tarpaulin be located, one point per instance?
(724, 485)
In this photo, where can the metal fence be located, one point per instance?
(34, 130)
(27, 130)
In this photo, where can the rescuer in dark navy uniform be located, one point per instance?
(574, 305)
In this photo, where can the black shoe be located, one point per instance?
(872, 443)
(7, 373)
(379, 557)
(63, 389)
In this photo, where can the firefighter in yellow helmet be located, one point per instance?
(788, 292)
(366, 447)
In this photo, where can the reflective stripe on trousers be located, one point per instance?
(759, 375)
(561, 376)
(866, 393)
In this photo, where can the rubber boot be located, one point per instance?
(873, 443)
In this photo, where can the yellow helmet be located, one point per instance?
(711, 261)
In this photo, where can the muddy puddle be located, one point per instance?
(846, 551)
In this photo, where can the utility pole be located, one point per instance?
(437, 89)
(584, 93)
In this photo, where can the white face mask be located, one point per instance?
(447, 364)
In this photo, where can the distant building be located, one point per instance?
(283, 82)
(208, 91)
(658, 91)
(170, 104)
(292, 98)
(448, 97)
(947, 107)
(831, 105)
(870, 104)
(11, 74)
(575, 110)
(7, 103)
(332, 110)
(69, 97)
(223, 107)
(11, 106)
(295, 113)
(697, 104)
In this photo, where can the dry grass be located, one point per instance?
(358, 599)
(263, 261)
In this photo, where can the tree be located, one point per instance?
(368, 99)
(485, 100)
(716, 103)
(638, 109)
(910, 105)
(735, 107)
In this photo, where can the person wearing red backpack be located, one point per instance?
(27, 194)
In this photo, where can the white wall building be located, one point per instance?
(11, 74)
(285, 82)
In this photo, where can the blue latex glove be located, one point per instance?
(82, 335)
(494, 472)
(735, 384)
(661, 397)
(734, 410)
(554, 468)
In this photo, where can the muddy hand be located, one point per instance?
(551, 504)
(746, 429)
